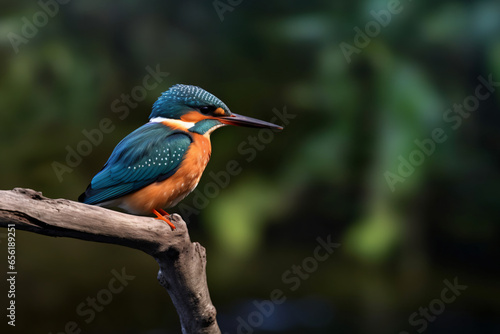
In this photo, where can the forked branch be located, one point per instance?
(182, 262)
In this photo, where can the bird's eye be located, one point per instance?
(206, 110)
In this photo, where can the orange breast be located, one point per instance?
(171, 191)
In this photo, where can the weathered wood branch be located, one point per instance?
(182, 262)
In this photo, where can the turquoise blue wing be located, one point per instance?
(150, 154)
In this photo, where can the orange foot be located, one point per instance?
(161, 215)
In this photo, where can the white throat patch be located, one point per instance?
(172, 121)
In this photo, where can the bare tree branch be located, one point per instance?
(182, 262)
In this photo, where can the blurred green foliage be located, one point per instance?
(323, 175)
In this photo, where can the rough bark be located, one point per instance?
(182, 262)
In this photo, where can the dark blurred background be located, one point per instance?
(356, 102)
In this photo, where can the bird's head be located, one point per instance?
(194, 105)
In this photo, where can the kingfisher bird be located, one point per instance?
(160, 163)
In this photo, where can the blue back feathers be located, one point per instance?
(150, 154)
(179, 99)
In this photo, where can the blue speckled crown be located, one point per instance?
(179, 99)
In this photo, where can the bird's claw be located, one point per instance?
(161, 215)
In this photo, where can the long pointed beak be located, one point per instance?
(240, 120)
